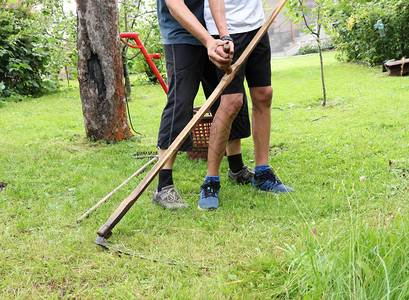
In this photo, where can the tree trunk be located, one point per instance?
(324, 91)
(100, 71)
(318, 37)
(128, 89)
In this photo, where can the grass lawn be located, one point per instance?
(342, 235)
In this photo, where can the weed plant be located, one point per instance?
(342, 235)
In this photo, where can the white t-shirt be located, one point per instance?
(241, 16)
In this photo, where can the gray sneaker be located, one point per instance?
(244, 176)
(169, 197)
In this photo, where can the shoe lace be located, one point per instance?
(268, 177)
(172, 196)
(210, 189)
(246, 173)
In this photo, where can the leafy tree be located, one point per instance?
(313, 23)
(315, 18)
(60, 31)
(21, 63)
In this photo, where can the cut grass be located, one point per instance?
(342, 234)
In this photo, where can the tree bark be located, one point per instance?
(100, 71)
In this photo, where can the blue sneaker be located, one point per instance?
(209, 195)
(267, 181)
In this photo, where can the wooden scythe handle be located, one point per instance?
(106, 230)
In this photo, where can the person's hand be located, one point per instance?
(228, 48)
(218, 56)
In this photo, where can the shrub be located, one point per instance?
(21, 63)
(313, 47)
(34, 46)
(356, 38)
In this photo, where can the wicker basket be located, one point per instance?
(201, 135)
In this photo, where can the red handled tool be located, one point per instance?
(148, 57)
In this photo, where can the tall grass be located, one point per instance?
(341, 235)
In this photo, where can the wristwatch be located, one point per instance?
(226, 38)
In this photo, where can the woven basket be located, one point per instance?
(201, 134)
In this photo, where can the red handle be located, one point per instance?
(131, 35)
(148, 57)
(156, 55)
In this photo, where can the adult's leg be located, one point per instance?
(169, 165)
(219, 133)
(233, 147)
(264, 177)
(229, 107)
(258, 74)
(185, 65)
(240, 129)
(261, 122)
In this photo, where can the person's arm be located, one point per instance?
(187, 19)
(218, 11)
(219, 16)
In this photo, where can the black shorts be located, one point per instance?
(256, 69)
(186, 66)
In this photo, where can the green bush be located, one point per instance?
(35, 44)
(356, 38)
(22, 60)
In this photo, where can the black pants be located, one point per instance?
(186, 65)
